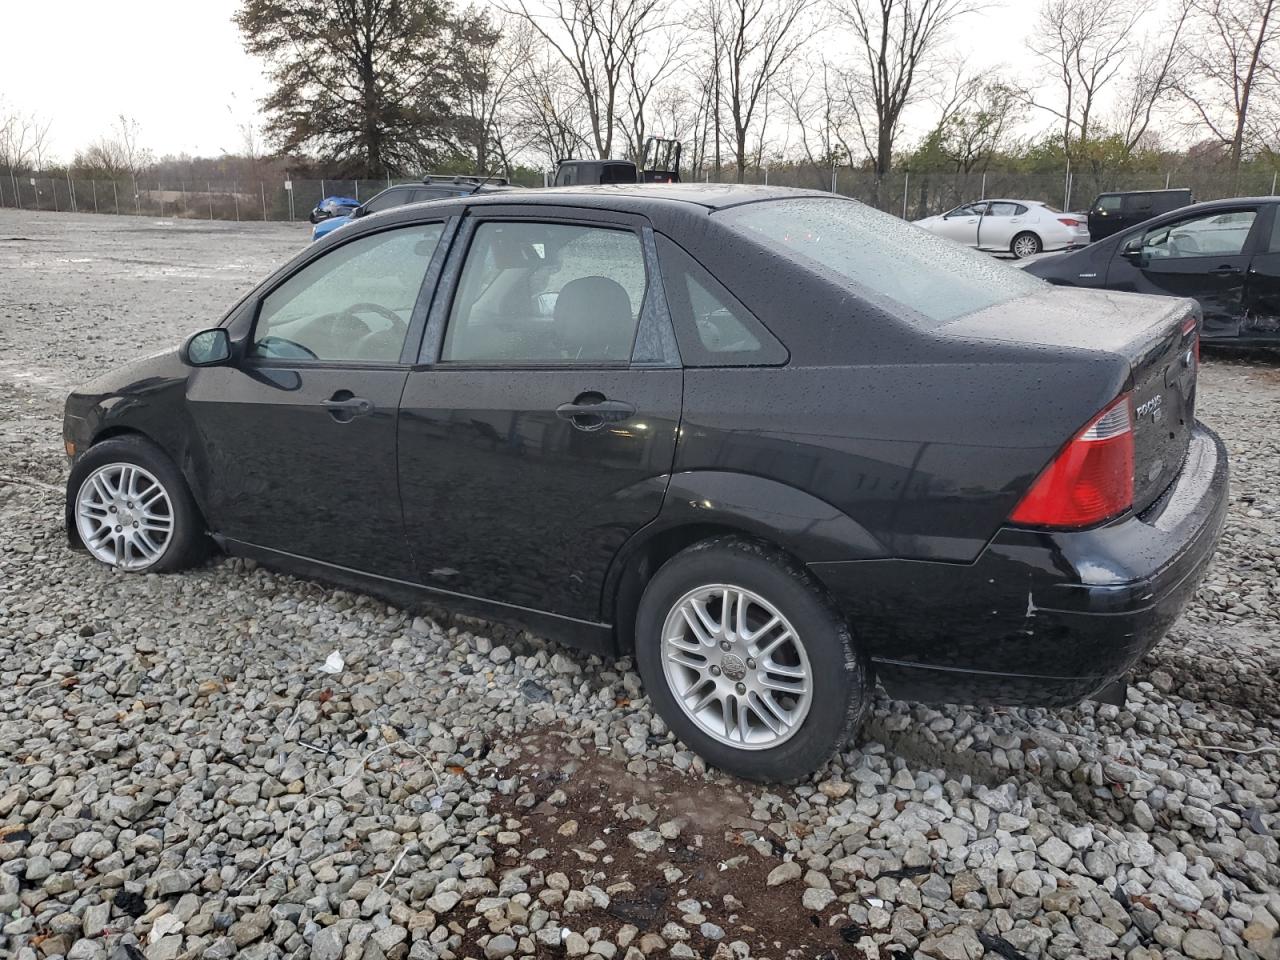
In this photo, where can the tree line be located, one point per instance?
(373, 88)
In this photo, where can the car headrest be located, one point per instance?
(594, 319)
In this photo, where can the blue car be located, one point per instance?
(331, 207)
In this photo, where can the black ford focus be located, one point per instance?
(775, 445)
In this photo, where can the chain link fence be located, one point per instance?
(906, 194)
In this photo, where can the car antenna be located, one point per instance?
(481, 182)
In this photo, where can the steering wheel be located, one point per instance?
(377, 344)
(389, 315)
(280, 348)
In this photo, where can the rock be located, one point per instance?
(817, 899)
(783, 873)
(647, 841)
(1201, 945)
(1055, 852)
(501, 947)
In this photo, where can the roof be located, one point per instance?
(713, 196)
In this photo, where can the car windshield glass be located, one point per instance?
(880, 255)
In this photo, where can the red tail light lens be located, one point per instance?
(1191, 329)
(1090, 480)
(1070, 222)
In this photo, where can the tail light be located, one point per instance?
(1191, 329)
(1091, 478)
(1070, 222)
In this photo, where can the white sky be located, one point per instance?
(179, 68)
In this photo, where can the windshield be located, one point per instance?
(880, 255)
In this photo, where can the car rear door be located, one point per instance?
(1204, 256)
(1262, 284)
(538, 430)
(298, 433)
(998, 226)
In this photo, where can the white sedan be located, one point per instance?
(1020, 227)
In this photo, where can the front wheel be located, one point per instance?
(132, 509)
(1025, 245)
(747, 660)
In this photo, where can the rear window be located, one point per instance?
(880, 255)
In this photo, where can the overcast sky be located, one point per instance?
(180, 68)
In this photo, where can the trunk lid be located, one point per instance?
(1156, 336)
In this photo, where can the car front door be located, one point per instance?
(1262, 285)
(997, 227)
(299, 430)
(961, 224)
(1203, 256)
(538, 432)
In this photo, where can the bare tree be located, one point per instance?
(753, 40)
(1085, 42)
(1157, 72)
(977, 115)
(117, 153)
(894, 40)
(1233, 65)
(491, 57)
(648, 65)
(547, 114)
(24, 139)
(596, 39)
(817, 101)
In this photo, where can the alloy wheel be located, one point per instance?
(124, 516)
(736, 666)
(1025, 246)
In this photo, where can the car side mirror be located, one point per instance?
(208, 348)
(357, 212)
(1132, 249)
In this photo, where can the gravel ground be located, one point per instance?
(178, 777)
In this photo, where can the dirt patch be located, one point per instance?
(585, 836)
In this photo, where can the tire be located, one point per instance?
(1025, 244)
(838, 678)
(100, 487)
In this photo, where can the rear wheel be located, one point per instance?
(748, 662)
(1025, 245)
(132, 509)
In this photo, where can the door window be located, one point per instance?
(712, 327)
(968, 210)
(1108, 205)
(387, 199)
(1274, 246)
(354, 303)
(1210, 235)
(547, 293)
(1003, 209)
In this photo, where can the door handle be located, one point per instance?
(344, 407)
(592, 415)
(1225, 271)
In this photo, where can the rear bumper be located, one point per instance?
(1039, 618)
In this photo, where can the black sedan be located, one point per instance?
(1225, 253)
(774, 444)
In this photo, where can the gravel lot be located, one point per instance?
(179, 778)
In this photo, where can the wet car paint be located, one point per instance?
(884, 456)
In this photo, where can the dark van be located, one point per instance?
(1113, 212)
(572, 173)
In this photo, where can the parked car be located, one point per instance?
(1113, 212)
(1225, 253)
(1020, 227)
(432, 187)
(331, 207)
(774, 444)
